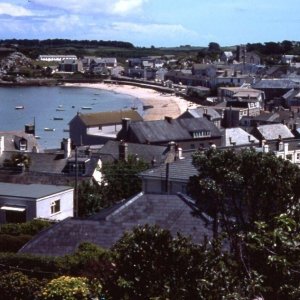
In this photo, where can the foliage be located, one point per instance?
(244, 186)
(9, 243)
(17, 160)
(90, 199)
(275, 253)
(121, 180)
(30, 227)
(151, 264)
(66, 288)
(17, 286)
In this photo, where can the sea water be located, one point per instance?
(54, 108)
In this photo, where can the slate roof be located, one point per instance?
(108, 117)
(171, 212)
(200, 112)
(172, 130)
(273, 131)
(11, 136)
(145, 152)
(30, 191)
(238, 136)
(179, 170)
(274, 84)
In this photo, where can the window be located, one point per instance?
(298, 156)
(289, 156)
(55, 207)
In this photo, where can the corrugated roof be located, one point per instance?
(109, 117)
(32, 191)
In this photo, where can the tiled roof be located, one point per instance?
(170, 212)
(275, 84)
(109, 117)
(172, 130)
(179, 170)
(143, 151)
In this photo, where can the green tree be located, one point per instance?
(151, 264)
(274, 252)
(238, 188)
(121, 180)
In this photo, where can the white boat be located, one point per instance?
(19, 107)
(86, 107)
(60, 109)
(49, 129)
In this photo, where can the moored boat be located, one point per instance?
(19, 107)
(49, 129)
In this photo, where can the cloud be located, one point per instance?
(92, 7)
(14, 10)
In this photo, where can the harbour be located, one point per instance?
(52, 108)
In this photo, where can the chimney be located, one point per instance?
(172, 146)
(1, 144)
(125, 125)
(123, 151)
(66, 147)
(168, 119)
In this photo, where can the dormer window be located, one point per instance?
(201, 133)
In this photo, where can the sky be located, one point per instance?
(159, 23)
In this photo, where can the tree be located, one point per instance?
(121, 180)
(238, 188)
(151, 264)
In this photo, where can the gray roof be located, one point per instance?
(11, 136)
(171, 212)
(143, 151)
(200, 112)
(179, 170)
(30, 191)
(274, 84)
(273, 131)
(238, 136)
(169, 130)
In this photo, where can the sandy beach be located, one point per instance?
(163, 104)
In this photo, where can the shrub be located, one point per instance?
(9, 243)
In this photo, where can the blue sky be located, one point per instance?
(153, 22)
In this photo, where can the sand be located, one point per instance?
(163, 104)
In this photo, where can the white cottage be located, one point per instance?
(25, 202)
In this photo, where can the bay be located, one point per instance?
(54, 108)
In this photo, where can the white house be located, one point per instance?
(25, 202)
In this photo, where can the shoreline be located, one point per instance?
(163, 104)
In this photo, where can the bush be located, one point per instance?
(28, 228)
(66, 288)
(9, 243)
(17, 286)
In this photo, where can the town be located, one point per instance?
(119, 172)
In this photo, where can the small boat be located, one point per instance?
(60, 109)
(58, 118)
(37, 137)
(19, 107)
(49, 129)
(86, 107)
(66, 130)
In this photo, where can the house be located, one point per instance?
(70, 66)
(152, 154)
(56, 58)
(175, 213)
(287, 149)
(19, 141)
(271, 132)
(292, 98)
(25, 202)
(170, 178)
(187, 133)
(241, 93)
(274, 87)
(97, 128)
(57, 167)
(203, 112)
